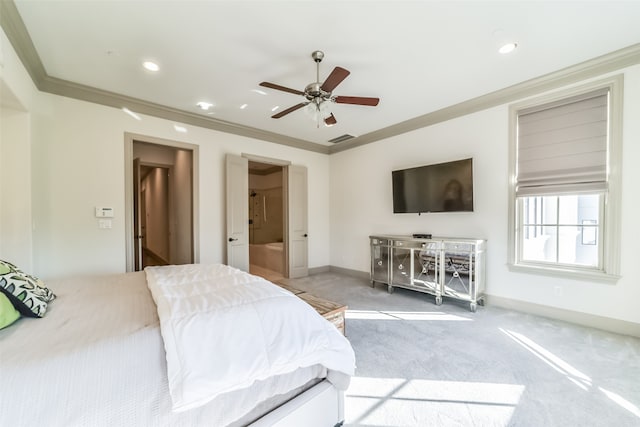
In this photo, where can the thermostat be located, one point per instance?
(104, 212)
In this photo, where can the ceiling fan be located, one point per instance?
(318, 94)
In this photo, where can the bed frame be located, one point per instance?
(320, 406)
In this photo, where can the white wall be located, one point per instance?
(15, 188)
(78, 163)
(361, 205)
(17, 94)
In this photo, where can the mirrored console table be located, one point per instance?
(443, 267)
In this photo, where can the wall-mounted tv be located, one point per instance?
(441, 187)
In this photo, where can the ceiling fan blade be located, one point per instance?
(331, 120)
(335, 78)
(357, 100)
(289, 110)
(282, 88)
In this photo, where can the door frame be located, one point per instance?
(129, 139)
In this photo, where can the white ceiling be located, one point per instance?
(417, 57)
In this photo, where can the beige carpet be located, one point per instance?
(419, 364)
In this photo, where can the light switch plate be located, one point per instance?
(104, 223)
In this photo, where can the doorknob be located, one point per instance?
(305, 235)
(231, 239)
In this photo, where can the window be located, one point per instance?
(555, 231)
(565, 169)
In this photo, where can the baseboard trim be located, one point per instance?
(585, 319)
(318, 270)
(352, 273)
(608, 324)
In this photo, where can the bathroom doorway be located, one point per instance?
(266, 220)
(295, 209)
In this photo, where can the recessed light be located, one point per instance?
(258, 91)
(131, 113)
(507, 48)
(203, 105)
(151, 66)
(243, 106)
(275, 108)
(179, 128)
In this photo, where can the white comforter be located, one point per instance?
(223, 329)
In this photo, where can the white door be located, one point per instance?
(238, 212)
(297, 214)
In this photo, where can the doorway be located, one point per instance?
(294, 205)
(266, 220)
(161, 199)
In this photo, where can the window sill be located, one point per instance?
(567, 273)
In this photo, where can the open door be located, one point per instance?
(297, 217)
(237, 212)
(137, 223)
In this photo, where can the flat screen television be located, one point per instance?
(441, 187)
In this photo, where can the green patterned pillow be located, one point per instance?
(8, 313)
(27, 293)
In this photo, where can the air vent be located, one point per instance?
(341, 138)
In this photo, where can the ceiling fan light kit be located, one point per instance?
(318, 95)
(318, 110)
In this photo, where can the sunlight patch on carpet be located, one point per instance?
(572, 374)
(399, 402)
(402, 315)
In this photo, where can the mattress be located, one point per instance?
(97, 358)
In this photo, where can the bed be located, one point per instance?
(157, 348)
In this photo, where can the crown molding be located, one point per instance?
(16, 32)
(69, 89)
(585, 70)
(18, 35)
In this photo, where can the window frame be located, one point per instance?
(610, 212)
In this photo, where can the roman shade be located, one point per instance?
(562, 146)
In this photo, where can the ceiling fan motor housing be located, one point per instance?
(313, 92)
